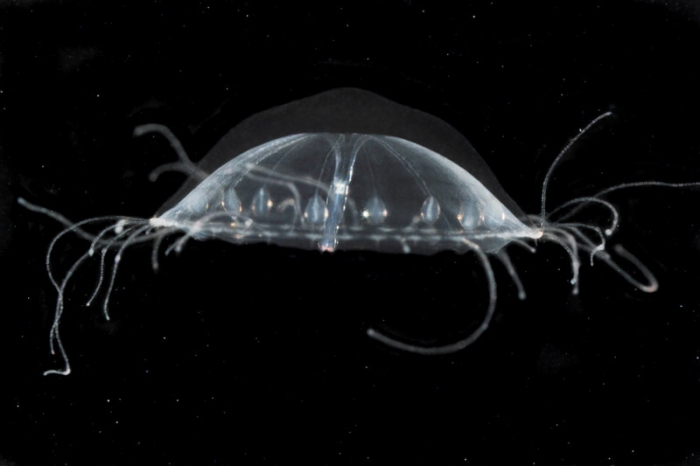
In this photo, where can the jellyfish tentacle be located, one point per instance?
(184, 164)
(581, 202)
(524, 245)
(120, 225)
(115, 267)
(74, 227)
(103, 255)
(178, 245)
(61, 296)
(54, 333)
(649, 287)
(576, 227)
(460, 344)
(569, 238)
(598, 250)
(694, 184)
(161, 234)
(66, 363)
(543, 211)
(503, 256)
(551, 235)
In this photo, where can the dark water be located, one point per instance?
(258, 355)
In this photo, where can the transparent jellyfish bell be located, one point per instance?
(331, 191)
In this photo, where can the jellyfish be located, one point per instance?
(349, 170)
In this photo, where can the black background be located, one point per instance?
(258, 355)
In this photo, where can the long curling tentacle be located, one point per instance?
(54, 334)
(463, 343)
(543, 212)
